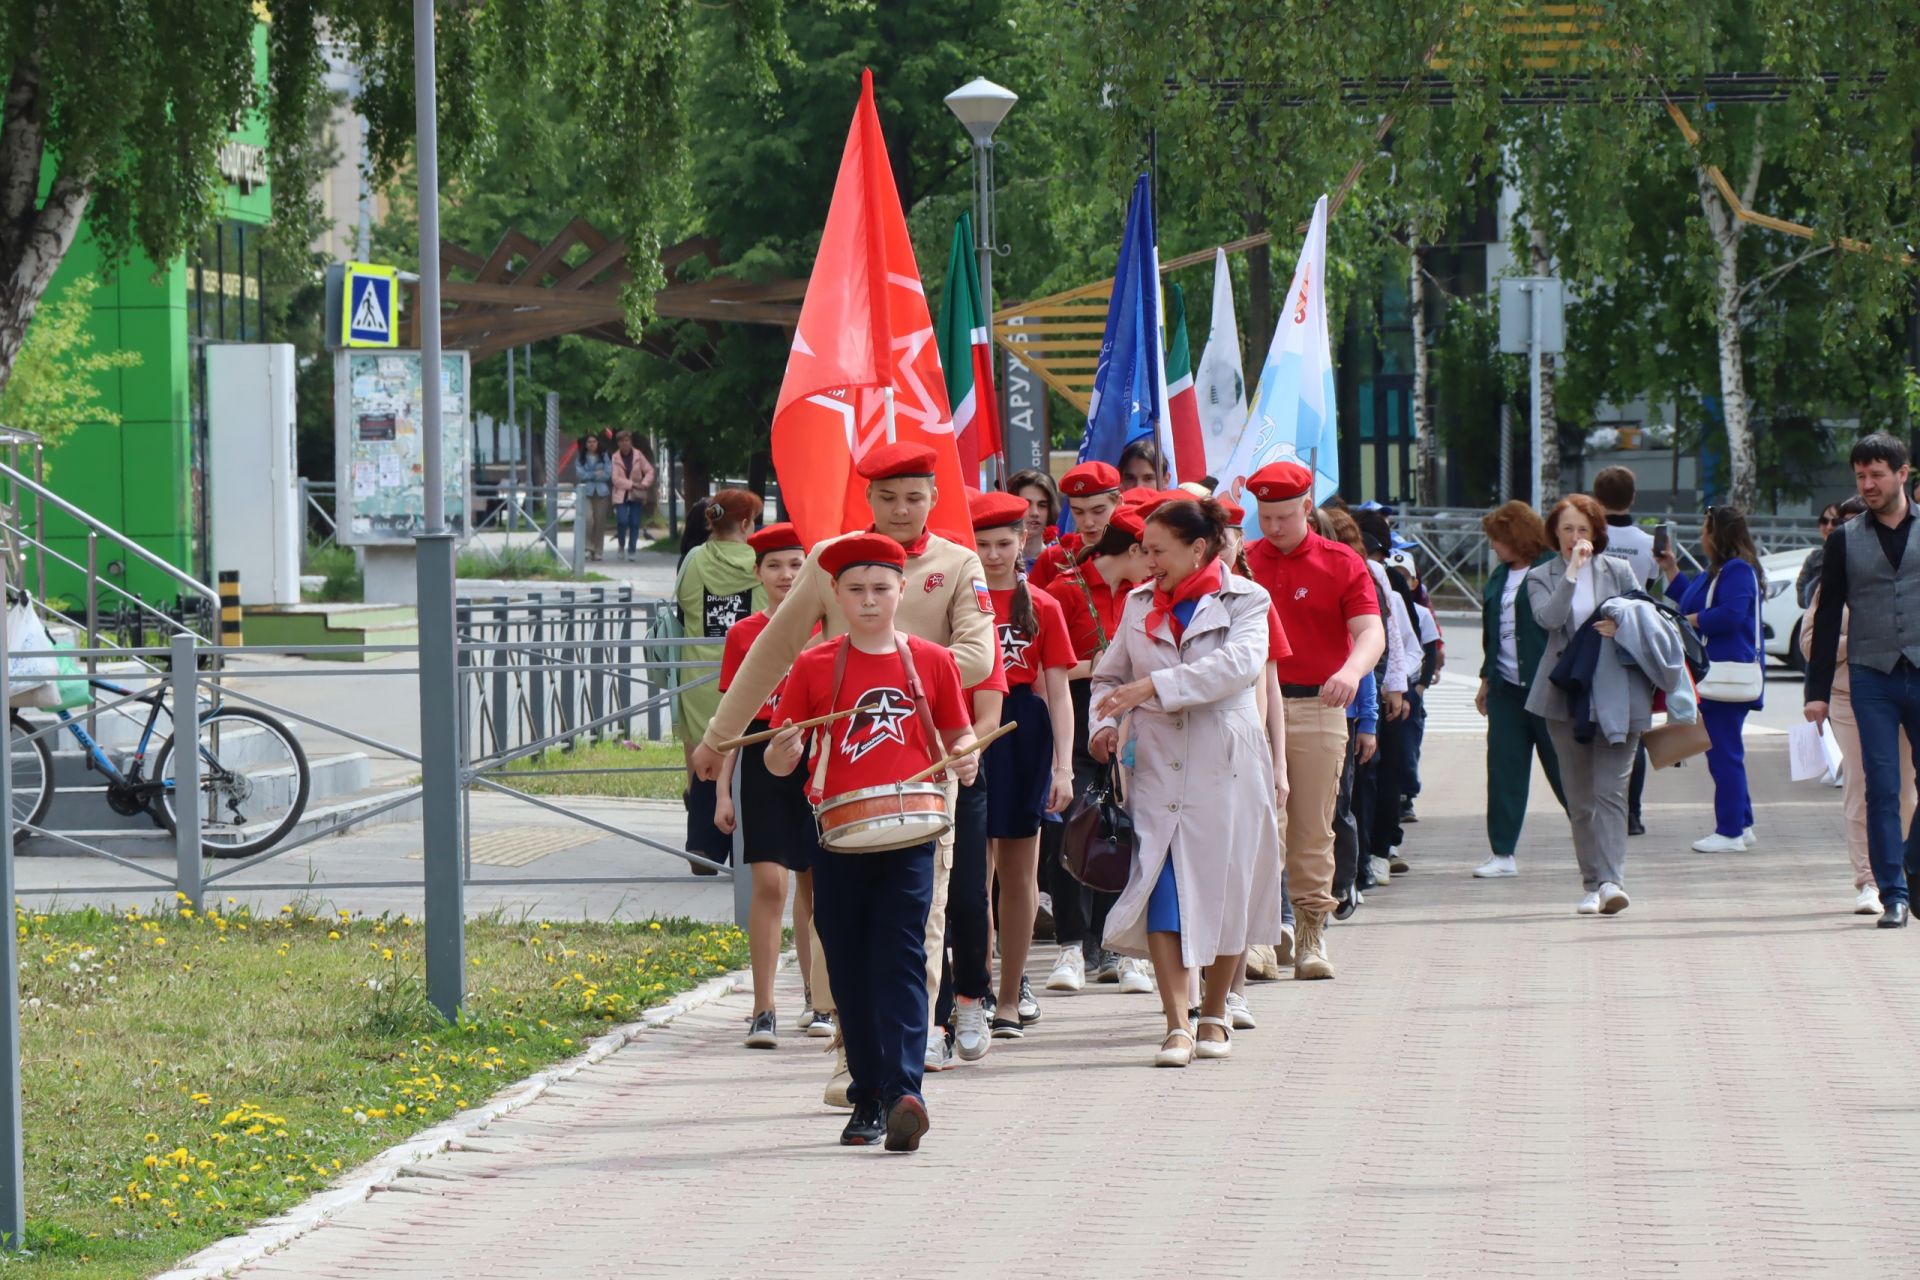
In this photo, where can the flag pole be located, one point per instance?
(887, 393)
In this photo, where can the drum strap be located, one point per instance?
(922, 710)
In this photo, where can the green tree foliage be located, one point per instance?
(55, 383)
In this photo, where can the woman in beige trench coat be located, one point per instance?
(1189, 649)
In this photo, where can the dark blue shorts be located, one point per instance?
(776, 820)
(1019, 767)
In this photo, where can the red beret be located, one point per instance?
(1129, 521)
(863, 548)
(996, 510)
(1090, 478)
(1280, 481)
(1158, 500)
(1236, 514)
(893, 460)
(776, 537)
(1139, 497)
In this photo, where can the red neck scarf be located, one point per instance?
(1199, 583)
(917, 547)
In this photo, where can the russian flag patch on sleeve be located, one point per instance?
(981, 594)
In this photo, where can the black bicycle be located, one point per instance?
(254, 779)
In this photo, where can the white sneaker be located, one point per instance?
(1717, 843)
(1613, 899)
(1238, 1014)
(971, 1034)
(1069, 971)
(939, 1052)
(1868, 901)
(1499, 866)
(1135, 980)
(1382, 872)
(1589, 905)
(1749, 838)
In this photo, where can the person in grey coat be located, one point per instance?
(1594, 774)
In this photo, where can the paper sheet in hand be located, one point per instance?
(1806, 757)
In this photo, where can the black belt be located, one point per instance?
(1299, 690)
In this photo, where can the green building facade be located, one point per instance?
(145, 476)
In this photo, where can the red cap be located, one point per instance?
(1089, 479)
(893, 460)
(1136, 497)
(1158, 500)
(1236, 514)
(863, 548)
(997, 510)
(1129, 521)
(1280, 481)
(775, 537)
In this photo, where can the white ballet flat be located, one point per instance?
(1172, 1054)
(1215, 1049)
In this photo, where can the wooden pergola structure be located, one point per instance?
(525, 291)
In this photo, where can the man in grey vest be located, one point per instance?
(1873, 563)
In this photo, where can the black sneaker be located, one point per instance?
(866, 1127)
(816, 1024)
(1007, 1029)
(1349, 904)
(761, 1033)
(1029, 1007)
(907, 1123)
(1635, 827)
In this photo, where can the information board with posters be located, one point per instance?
(380, 487)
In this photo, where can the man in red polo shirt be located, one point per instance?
(1092, 490)
(1326, 601)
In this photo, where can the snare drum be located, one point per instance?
(874, 819)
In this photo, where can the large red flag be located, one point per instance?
(864, 333)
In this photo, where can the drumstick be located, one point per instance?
(767, 735)
(978, 743)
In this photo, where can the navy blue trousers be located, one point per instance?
(871, 912)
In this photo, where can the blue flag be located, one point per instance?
(1130, 382)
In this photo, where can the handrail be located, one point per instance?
(89, 522)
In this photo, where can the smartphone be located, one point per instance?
(1662, 540)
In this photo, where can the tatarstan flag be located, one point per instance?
(966, 354)
(1189, 447)
(864, 369)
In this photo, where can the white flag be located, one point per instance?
(1220, 381)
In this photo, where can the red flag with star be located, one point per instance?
(864, 369)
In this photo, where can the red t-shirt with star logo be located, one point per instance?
(1317, 587)
(1023, 656)
(884, 741)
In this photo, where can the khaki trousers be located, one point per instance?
(1316, 750)
(936, 932)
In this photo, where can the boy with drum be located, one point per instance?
(871, 908)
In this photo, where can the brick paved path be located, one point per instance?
(1717, 1082)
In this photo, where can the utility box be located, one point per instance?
(254, 516)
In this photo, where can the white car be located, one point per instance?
(1780, 614)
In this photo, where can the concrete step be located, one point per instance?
(80, 794)
(141, 839)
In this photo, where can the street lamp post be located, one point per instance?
(981, 105)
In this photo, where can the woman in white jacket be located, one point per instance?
(1205, 886)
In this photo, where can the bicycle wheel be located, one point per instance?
(32, 774)
(253, 782)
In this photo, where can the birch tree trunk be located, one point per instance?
(32, 241)
(1426, 454)
(1735, 409)
(1549, 443)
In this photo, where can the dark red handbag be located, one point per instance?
(1097, 845)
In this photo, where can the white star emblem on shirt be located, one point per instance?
(881, 718)
(1014, 645)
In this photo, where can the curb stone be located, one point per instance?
(225, 1257)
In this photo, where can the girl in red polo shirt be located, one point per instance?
(779, 822)
(1030, 772)
(1092, 594)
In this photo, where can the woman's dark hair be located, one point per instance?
(733, 508)
(1853, 506)
(1034, 478)
(1374, 525)
(1020, 608)
(1113, 542)
(1138, 450)
(1585, 506)
(590, 440)
(1202, 520)
(1879, 447)
(696, 530)
(1732, 540)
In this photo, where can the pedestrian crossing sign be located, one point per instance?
(371, 314)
